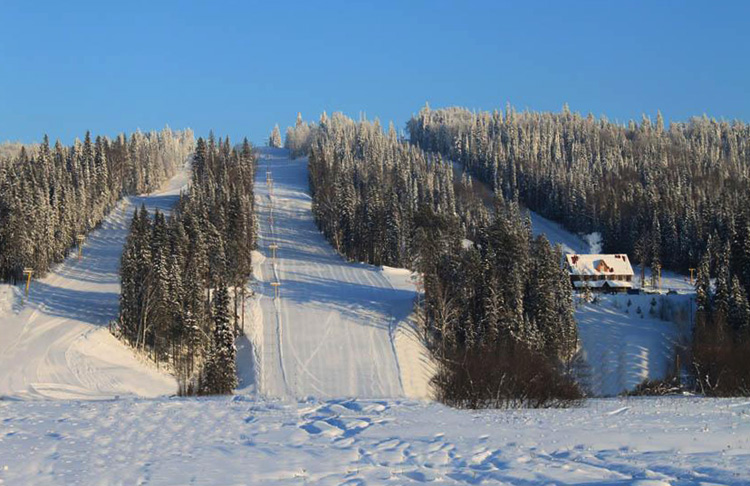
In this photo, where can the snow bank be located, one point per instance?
(416, 365)
(9, 299)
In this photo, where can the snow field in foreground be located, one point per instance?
(218, 441)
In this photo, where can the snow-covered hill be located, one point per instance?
(243, 441)
(339, 329)
(626, 338)
(56, 344)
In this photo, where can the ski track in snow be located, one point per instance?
(241, 441)
(332, 333)
(56, 344)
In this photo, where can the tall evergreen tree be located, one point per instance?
(220, 376)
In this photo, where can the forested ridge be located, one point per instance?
(50, 195)
(490, 289)
(655, 192)
(177, 271)
(674, 197)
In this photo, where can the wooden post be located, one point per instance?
(691, 275)
(28, 271)
(80, 239)
(276, 291)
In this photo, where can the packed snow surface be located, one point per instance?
(55, 343)
(337, 329)
(239, 441)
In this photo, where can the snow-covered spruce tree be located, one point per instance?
(275, 139)
(220, 373)
(501, 312)
(703, 285)
(739, 308)
(172, 266)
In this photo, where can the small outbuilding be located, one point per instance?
(606, 273)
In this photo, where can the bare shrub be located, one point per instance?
(505, 376)
(721, 360)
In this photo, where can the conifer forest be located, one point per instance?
(375, 243)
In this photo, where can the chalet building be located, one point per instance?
(606, 273)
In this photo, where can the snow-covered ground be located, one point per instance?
(339, 329)
(621, 346)
(56, 344)
(239, 441)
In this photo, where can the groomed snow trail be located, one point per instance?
(56, 345)
(332, 331)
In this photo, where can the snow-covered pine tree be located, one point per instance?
(220, 375)
(275, 139)
(739, 308)
(703, 285)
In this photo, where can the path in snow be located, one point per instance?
(57, 345)
(672, 441)
(332, 333)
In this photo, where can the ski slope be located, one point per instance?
(676, 441)
(338, 329)
(56, 344)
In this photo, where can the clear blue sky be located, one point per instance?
(239, 67)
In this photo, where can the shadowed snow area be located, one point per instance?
(339, 329)
(56, 344)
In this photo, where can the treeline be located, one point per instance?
(50, 196)
(672, 197)
(368, 188)
(493, 298)
(176, 272)
(10, 149)
(299, 138)
(652, 191)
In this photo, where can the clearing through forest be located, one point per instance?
(338, 329)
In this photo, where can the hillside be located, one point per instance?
(56, 345)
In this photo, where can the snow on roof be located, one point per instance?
(595, 284)
(591, 264)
